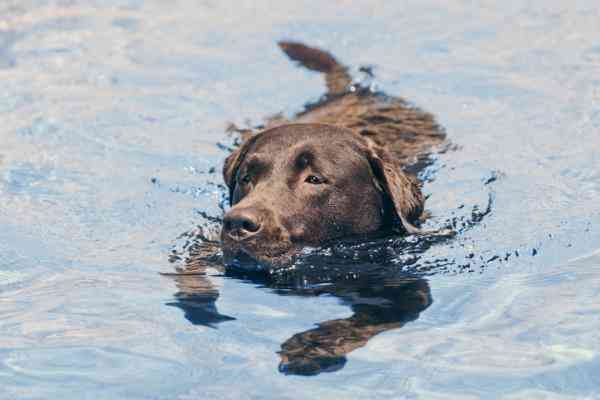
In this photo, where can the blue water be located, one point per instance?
(111, 114)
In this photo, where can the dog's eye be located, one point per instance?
(246, 179)
(314, 180)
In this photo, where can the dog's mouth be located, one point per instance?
(279, 256)
(242, 260)
(246, 260)
(257, 254)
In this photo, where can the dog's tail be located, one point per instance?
(336, 75)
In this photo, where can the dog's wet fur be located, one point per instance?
(343, 168)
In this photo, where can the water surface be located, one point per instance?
(112, 114)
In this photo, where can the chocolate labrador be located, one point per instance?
(337, 170)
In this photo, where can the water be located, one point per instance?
(112, 112)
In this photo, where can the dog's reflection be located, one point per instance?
(197, 297)
(380, 300)
(377, 306)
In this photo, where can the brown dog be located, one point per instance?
(336, 171)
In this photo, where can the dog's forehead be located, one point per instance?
(316, 136)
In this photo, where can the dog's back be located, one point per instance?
(408, 132)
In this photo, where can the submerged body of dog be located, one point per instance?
(337, 170)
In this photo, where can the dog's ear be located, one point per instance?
(232, 164)
(403, 190)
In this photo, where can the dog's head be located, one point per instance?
(308, 184)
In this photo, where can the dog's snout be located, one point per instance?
(241, 224)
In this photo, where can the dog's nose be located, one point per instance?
(241, 224)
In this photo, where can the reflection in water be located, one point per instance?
(378, 305)
(196, 294)
(381, 298)
(197, 297)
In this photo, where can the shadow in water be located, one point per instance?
(381, 298)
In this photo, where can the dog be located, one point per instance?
(342, 168)
(345, 168)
